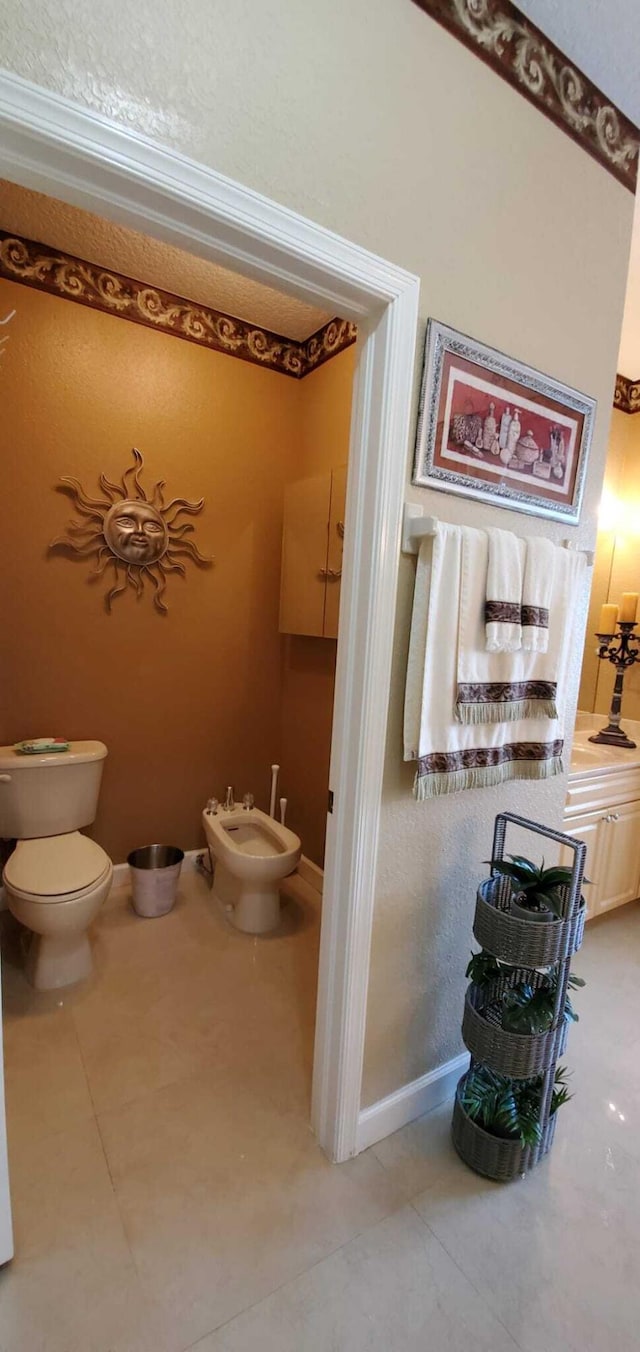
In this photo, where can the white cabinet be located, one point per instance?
(587, 828)
(611, 832)
(312, 538)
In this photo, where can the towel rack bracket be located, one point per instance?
(416, 526)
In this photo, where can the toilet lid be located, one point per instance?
(53, 865)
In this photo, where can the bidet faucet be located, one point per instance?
(229, 802)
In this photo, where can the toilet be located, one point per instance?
(251, 853)
(56, 879)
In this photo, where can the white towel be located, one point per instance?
(537, 588)
(451, 755)
(499, 687)
(504, 592)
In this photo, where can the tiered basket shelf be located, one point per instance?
(525, 946)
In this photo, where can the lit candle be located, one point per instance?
(608, 619)
(629, 607)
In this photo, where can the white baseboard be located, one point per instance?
(311, 873)
(411, 1101)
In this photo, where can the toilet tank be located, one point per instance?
(49, 794)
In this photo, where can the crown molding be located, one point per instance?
(626, 397)
(30, 263)
(501, 35)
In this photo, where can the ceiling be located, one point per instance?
(601, 37)
(73, 231)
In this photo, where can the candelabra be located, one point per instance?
(622, 655)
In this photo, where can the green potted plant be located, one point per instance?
(526, 1006)
(537, 891)
(509, 1108)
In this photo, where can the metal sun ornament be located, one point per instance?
(135, 535)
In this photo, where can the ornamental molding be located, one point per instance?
(29, 263)
(626, 396)
(517, 50)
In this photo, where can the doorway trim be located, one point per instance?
(54, 146)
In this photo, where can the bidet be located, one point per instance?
(252, 854)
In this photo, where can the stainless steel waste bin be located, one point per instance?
(155, 870)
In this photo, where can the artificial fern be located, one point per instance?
(510, 1108)
(526, 1009)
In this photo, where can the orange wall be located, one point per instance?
(211, 693)
(308, 666)
(189, 702)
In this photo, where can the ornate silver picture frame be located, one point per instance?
(494, 429)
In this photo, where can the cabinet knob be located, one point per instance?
(330, 574)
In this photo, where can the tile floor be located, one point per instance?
(168, 1194)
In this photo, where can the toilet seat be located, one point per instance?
(48, 868)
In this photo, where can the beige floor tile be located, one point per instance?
(48, 1087)
(554, 1254)
(72, 1286)
(185, 991)
(196, 1042)
(224, 1196)
(420, 1154)
(393, 1289)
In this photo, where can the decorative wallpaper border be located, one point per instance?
(626, 396)
(60, 274)
(517, 50)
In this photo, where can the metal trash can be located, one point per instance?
(155, 870)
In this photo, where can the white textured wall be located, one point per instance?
(371, 119)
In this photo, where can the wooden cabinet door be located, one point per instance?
(590, 828)
(621, 856)
(304, 555)
(334, 555)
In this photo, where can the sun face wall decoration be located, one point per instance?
(139, 537)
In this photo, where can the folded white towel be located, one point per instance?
(452, 755)
(500, 687)
(504, 592)
(537, 589)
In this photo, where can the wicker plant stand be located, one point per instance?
(523, 945)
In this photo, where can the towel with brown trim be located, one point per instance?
(451, 754)
(537, 589)
(503, 601)
(506, 687)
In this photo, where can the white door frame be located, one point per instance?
(59, 148)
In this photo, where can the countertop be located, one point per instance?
(593, 759)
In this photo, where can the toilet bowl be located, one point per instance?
(55, 886)
(251, 854)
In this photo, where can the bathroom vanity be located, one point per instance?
(603, 810)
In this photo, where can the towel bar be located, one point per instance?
(416, 526)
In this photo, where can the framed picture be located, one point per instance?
(492, 428)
